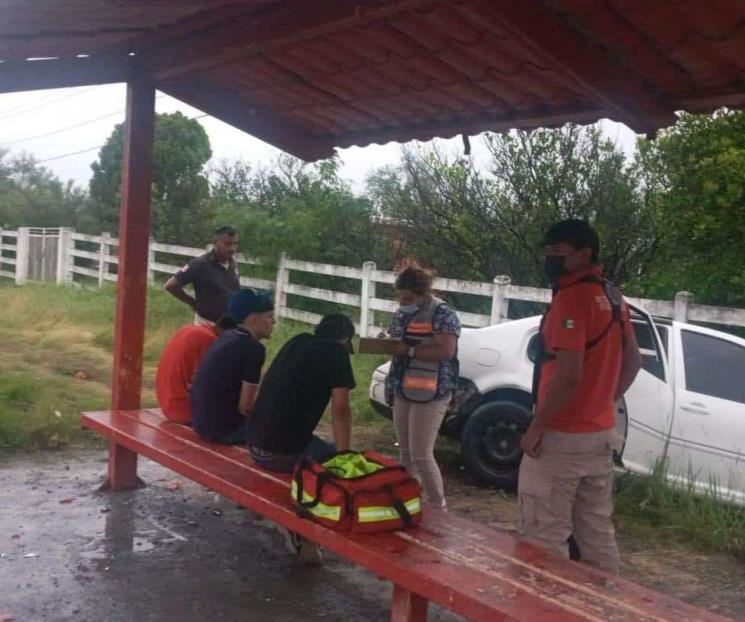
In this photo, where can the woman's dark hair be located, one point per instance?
(415, 279)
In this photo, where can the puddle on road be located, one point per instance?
(120, 537)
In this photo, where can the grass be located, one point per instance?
(55, 360)
(647, 507)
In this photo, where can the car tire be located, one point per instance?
(490, 442)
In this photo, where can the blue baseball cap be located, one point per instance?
(246, 301)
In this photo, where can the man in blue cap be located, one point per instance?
(227, 380)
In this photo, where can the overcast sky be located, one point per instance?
(96, 110)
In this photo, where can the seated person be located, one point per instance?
(179, 362)
(307, 372)
(226, 382)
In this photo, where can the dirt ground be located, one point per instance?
(174, 551)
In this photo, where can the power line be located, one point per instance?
(63, 129)
(67, 155)
(46, 103)
(23, 104)
(74, 153)
(69, 127)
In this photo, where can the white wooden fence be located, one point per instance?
(89, 258)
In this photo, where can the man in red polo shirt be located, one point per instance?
(589, 359)
(178, 364)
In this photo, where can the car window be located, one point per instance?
(714, 366)
(663, 331)
(649, 349)
(533, 348)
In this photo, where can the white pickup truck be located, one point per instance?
(687, 405)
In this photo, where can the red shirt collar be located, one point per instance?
(576, 276)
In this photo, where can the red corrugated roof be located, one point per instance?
(309, 75)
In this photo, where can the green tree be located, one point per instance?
(181, 210)
(305, 210)
(695, 175)
(476, 225)
(32, 196)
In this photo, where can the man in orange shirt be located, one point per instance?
(178, 363)
(589, 358)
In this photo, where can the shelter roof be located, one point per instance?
(311, 75)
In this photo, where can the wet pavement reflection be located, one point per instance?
(170, 551)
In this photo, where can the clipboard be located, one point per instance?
(372, 345)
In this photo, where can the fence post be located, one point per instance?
(367, 315)
(22, 255)
(65, 244)
(280, 295)
(103, 257)
(150, 261)
(500, 302)
(680, 309)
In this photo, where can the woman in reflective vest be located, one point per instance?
(423, 377)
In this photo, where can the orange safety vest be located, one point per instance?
(421, 379)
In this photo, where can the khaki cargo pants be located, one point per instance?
(568, 489)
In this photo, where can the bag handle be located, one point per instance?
(304, 506)
(399, 506)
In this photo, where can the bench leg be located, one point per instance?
(122, 469)
(407, 606)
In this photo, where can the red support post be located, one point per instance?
(408, 606)
(131, 295)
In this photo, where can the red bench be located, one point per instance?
(473, 570)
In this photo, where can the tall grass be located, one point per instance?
(650, 507)
(55, 359)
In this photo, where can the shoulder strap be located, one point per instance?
(615, 298)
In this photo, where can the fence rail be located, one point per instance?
(82, 258)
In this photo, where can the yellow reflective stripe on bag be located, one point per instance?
(373, 513)
(329, 512)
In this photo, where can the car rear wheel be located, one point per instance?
(490, 442)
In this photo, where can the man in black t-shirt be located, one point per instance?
(213, 275)
(307, 372)
(227, 379)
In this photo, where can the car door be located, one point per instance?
(707, 442)
(649, 400)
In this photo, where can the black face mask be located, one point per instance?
(555, 268)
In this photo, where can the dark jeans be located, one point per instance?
(318, 450)
(236, 437)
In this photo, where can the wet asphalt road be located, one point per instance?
(69, 552)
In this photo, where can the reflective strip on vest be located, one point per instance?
(421, 379)
(329, 512)
(423, 383)
(420, 329)
(373, 513)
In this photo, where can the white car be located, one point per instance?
(686, 406)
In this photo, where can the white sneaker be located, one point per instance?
(306, 551)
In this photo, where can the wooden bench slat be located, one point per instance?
(468, 568)
(384, 554)
(481, 545)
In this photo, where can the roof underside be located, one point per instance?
(311, 75)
